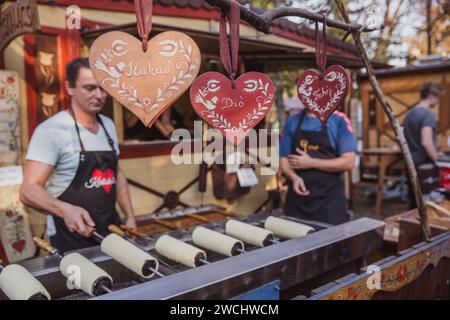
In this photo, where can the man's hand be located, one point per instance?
(76, 218)
(301, 161)
(299, 186)
(131, 222)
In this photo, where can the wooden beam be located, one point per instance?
(394, 123)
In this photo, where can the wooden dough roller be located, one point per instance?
(19, 284)
(248, 233)
(127, 254)
(217, 242)
(287, 229)
(180, 251)
(90, 276)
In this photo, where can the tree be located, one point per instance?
(267, 4)
(433, 32)
(409, 28)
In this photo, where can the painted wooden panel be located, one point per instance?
(9, 118)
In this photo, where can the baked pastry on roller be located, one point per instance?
(91, 277)
(248, 233)
(217, 242)
(180, 251)
(19, 284)
(127, 254)
(287, 229)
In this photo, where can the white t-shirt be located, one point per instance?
(55, 142)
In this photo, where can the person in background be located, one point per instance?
(313, 157)
(420, 132)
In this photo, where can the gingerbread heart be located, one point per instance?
(146, 83)
(234, 112)
(322, 95)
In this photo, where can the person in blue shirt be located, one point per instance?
(313, 157)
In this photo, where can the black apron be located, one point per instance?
(326, 201)
(94, 189)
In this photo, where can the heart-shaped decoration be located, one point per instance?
(18, 245)
(104, 179)
(234, 112)
(146, 83)
(322, 95)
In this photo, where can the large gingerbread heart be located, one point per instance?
(322, 95)
(234, 112)
(147, 83)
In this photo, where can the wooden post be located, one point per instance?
(412, 173)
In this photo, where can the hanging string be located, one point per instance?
(321, 46)
(143, 10)
(229, 57)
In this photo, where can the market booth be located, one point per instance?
(36, 61)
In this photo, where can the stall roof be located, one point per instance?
(199, 9)
(410, 69)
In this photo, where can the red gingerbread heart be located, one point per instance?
(322, 95)
(104, 179)
(18, 245)
(234, 112)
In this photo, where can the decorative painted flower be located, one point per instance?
(9, 213)
(10, 80)
(351, 293)
(401, 274)
(169, 48)
(146, 101)
(119, 48)
(48, 99)
(46, 58)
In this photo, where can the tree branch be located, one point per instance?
(263, 22)
(395, 125)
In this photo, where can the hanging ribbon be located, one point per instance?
(229, 57)
(143, 10)
(321, 46)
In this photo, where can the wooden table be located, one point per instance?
(387, 156)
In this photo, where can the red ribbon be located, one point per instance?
(229, 57)
(143, 10)
(321, 46)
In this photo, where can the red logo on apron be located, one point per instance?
(104, 179)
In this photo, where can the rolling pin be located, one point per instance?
(127, 254)
(93, 280)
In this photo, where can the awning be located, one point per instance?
(257, 52)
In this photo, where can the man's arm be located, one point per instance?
(124, 198)
(33, 194)
(427, 142)
(297, 182)
(302, 160)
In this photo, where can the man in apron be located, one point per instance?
(420, 129)
(72, 172)
(313, 157)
